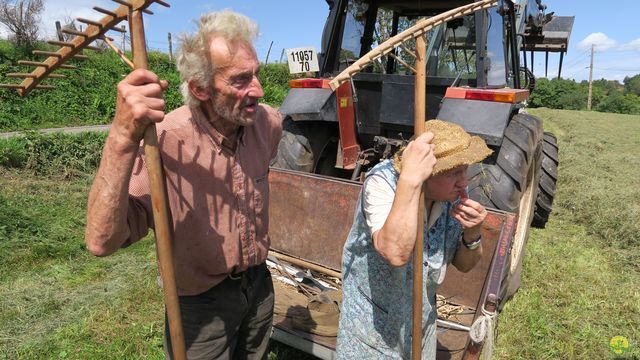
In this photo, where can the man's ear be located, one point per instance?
(198, 92)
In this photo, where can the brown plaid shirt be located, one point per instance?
(219, 198)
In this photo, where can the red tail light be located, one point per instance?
(498, 95)
(309, 83)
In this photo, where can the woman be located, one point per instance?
(375, 320)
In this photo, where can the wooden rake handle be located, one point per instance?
(159, 202)
(418, 248)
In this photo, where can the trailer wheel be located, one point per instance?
(548, 179)
(306, 146)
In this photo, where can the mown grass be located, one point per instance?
(581, 275)
(579, 288)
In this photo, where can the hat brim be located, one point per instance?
(476, 152)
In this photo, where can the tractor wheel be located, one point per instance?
(500, 182)
(548, 179)
(308, 146)
(509, 182)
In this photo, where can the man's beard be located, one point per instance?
(230, 114)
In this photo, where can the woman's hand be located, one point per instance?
(470, 214)
(418, 159)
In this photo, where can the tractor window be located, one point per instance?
(452, 49)
(354, 24)
(496, 68)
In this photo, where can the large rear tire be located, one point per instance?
(309, 146)
(501, 180)
(548, 179)
(508, 181)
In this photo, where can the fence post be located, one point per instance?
(170, 48)
(281, 55)
(266, 60)
(123, 33)
(59, 31)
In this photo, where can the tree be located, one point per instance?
(632, 85)
(21, 18)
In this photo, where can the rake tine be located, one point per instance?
(11, 86)
(20, 75)
(105, 11)
(61, 43)
(41, 64)
(90, 22)
(118, 29)
(402, 62)
(73, 32)
(123, 2)
(46, 53)
(407, 50)
(33, 76)
(57, 55)
(160, 2)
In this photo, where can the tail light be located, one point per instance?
(309, 83)
(512, 96)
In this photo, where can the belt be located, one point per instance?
(250, 272)
(237, 275)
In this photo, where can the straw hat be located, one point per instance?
(454, 147)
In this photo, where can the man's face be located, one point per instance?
(236, 88)
(448, 185)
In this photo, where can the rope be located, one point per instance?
(482, 331)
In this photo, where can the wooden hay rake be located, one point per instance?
(132, 12)
(416, 32)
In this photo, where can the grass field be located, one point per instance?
(580, 284)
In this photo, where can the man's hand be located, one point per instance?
(470, 214)
(418, 159)
(139, 103)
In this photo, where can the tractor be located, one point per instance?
(478, 77)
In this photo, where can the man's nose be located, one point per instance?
(255, 88)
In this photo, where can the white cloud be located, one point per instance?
(600, 40)
(63, 10)
(603, 43)
(633, 45)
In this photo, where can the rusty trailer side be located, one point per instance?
(310, 217)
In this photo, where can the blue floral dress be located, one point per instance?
(376, 313)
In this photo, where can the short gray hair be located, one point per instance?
(193, 60)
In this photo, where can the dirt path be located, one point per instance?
(68, 130)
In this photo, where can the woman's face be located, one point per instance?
(447, 186)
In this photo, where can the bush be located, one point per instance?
(86, 96)
(275, 83)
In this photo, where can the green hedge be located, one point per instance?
(87, 95)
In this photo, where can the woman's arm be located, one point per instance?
(395, 240)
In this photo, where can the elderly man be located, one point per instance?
(215, 151)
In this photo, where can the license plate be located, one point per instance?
(302, 60)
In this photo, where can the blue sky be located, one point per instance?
(612, 28)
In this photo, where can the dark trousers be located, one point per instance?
(232, 320)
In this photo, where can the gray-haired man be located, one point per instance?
(215, 151)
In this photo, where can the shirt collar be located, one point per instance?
(436, 211)
(217, 138)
